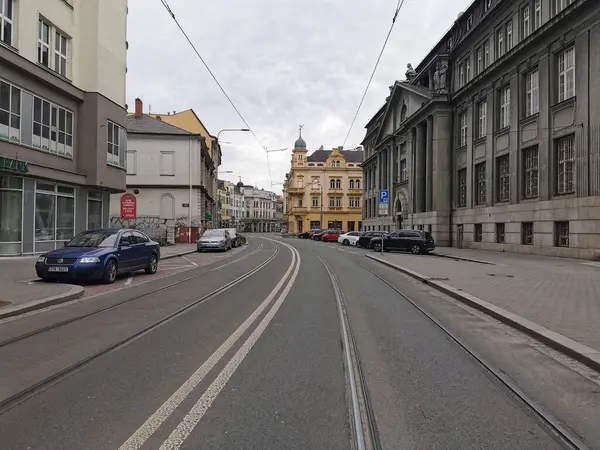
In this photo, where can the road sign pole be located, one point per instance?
(384, 199)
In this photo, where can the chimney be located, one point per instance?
(139, 108)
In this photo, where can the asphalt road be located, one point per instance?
(262, 364)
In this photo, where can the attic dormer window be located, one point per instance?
(335, 164)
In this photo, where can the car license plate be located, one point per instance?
(58, 269)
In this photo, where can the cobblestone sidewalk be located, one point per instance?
(562, 295)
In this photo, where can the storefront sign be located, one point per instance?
(207, 215)
(128, 206)
(13, 166)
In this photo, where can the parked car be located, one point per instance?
(100, 254)
(309, 233)
(317, 236)
(215, 239)
(349, 238)
(414, 241)
(235, 241)
(331, 235)
(364, 241)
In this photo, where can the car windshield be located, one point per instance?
(94, 239)
(213, 233)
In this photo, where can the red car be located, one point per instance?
(331, 235)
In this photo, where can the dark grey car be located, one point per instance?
(215, 239)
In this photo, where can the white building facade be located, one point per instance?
(260, 210)
(164, 173)
(62, 118)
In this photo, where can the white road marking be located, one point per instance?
(193, 417)
(129, 280)
(148, 428)
(190, 261)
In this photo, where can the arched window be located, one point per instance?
(338, 184)
(351, 184)
(357, 184)
(167, 207)
(332, 184)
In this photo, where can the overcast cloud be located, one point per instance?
(283, 63)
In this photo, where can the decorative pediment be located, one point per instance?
(405, 99)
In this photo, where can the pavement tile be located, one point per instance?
(561, 295)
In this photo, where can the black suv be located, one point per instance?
(365, 239)
(415, 241)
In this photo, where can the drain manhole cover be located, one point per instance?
(4, 304)
(501, 275)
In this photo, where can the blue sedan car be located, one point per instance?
(100, 254)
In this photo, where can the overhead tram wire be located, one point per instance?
(398, 8)
(172, 14)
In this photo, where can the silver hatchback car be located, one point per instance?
(215, 239)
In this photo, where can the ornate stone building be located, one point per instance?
(493, 141)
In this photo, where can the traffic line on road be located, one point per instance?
(190, 261)
(139, 438)
(129, 280)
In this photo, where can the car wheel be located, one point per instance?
(110, 272)
(377, 246)
(415, 249)
(152, 266)
(346, 242)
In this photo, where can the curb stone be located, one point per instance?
(74, 292)
(176, 255)
(570, 347)
(463, 258)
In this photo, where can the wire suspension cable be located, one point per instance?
(398, 8)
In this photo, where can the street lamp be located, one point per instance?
(231, 129)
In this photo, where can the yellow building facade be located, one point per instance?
(323, 190)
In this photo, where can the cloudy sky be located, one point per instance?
(283, 63)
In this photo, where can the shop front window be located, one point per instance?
(11, 209)
(54, 212)
(94, 210)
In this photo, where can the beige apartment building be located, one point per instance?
(62, 118)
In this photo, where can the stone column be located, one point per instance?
(429, 166)
(420, 169)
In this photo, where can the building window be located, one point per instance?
(94, 206)
(338, 184)
(332, 202)
(11, 208)
(131, 162)
(10, 112)
(503, 178)
(468, 69)
(461, 74)
(561, 234)
(299, 202)
(351, 184)
(354, 202)
(530, 172)
(481, 119)
(403, 170)
(338, 202)
(357, 184)
(486, 54)
(500, 49)
(464, 129)
(500, 236)
(504, 108)
(560, 5)
(462, 188)
(52, 128)
(565, 165)
(315, 202)
(6, 21)
(480, 184)
(509, 36)
(533, 93)
(60, 53)
(331, 184)
(43, 43)
(115, 143)
(537, 14)
(566, 74)
(54, 212)
(526, 22)
(478, 232)
(479, 61)
(167, 164)
(527, 233)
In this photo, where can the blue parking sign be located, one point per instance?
(384, 196)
